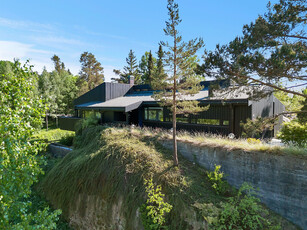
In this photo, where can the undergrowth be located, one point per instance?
(112, 163)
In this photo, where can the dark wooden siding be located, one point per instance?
(114, 90)
(103, 92)
(241, 113)
(68, 123)
(96, 94)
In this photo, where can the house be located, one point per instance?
(134, 104)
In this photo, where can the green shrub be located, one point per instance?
(67, 140)
(257, 128)
(216, 178)
(90, 121)
(294, 133)
(155, 209)
(243, 212)
(52, 135)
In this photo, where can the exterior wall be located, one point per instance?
(68, 123)
(104, 92)
(263, 107)
(96, 94)
(114, 90)
(268, 107)
(282, 180)
(108, 116)
(233, 113)
(278, 108)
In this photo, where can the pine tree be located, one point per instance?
(58, 65)
(91, 71)
(147, 67)
(272, 50)
(181, 59)
(159, 73)
(150, 68)
(131, 69)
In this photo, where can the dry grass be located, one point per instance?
(217, 141)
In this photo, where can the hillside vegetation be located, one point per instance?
(111, 164)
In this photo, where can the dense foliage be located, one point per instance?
(258, 127)
(155, 209)
(294, 133)
(243, 212)
(20, 113)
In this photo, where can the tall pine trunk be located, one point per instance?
(175, 155)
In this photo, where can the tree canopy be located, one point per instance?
(91, 74)
(21, 111)
(272, 50)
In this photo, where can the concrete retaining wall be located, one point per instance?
(58, 150)
(282, 180)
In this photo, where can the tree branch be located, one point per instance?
(267, 84)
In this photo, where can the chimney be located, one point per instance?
(131, 80)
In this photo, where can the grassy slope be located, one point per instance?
(112, 162)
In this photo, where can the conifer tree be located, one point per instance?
(272, 50)
(150, 68)
(182, 80)
(131, 69)
(58, 65)
(159, 73)
(91, 72)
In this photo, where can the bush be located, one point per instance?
(257, 128)
(155, 209)
(243, 212)
(67, 140)
(294, 133)
(216, 178)
(86, 123)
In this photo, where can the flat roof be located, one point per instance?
(132, 101)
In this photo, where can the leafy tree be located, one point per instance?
(91, 72)
(58, 90)
(130, 70)
(58, 65)
(181, 60)
(272, 49)
(20, 112)
(292, 104)
(6, 67)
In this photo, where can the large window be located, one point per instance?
(91, 113)
(153, 114)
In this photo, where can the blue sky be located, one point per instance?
(36, 30)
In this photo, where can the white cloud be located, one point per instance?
(25, 25)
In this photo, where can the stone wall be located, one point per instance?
(282, 180)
